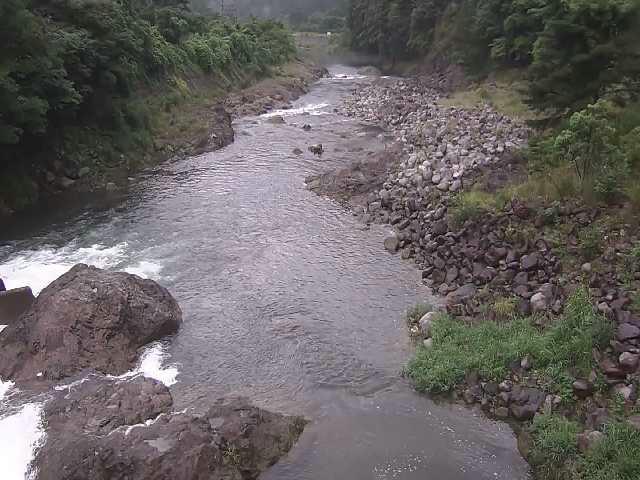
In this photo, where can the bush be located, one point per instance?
(490, 347)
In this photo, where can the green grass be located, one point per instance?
(504, 94)
(555, 447)
(616, 457)
(471, 204)
(559, 353)
(505, 307)
(555, 456)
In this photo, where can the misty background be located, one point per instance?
(320, 15)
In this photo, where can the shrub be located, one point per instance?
(589, 143)
(590, 242)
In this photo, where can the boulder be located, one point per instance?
(87, 319)
(106, 429)
(297, 151)
(392, 244)
(529, 262)
(629, 361)
(582, 388)
(13, 303)
(539, 302)
(525, 402)
(426, 322)
(461, 294)
(627, 331)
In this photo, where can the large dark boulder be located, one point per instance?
(109, 429)
(87, 319)
(14, 303)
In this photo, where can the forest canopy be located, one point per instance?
(573, 50)
(78, 62)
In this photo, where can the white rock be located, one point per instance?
(426, 322)
(539, 302)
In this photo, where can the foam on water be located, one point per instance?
(311, 108)
(344, 76)
(151, 366)
(5, 387)
(20, 434)
(145, 269)
(38, 268)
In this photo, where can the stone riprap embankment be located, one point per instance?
(447, 149)
(495, 261)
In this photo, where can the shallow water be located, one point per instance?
(287, 299)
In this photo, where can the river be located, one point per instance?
(287, 299)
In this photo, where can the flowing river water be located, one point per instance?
(287, 300)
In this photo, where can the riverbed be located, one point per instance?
(287, 299)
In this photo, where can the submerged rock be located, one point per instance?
(87, 319)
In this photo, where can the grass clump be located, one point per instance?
(616, 457)
(554, 447)
(505, 307)
(470, 205)
(555, 455)
(489, 347)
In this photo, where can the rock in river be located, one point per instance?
(87, 319)
(109, 429)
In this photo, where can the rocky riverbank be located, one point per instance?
(87, 330)
(451, 188)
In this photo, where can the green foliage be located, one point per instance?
(505, 308)
(555, 455)
(590, 144)
(574, 50)
(80, 64)
(590, 242)
(490, 347)
(555, 446)
(616, 457)
(470, 205)
(600, 143)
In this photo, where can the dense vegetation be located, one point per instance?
(573, 50)
(69, 67)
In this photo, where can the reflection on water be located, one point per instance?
(286, 298)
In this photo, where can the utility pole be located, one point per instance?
(222, 8)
